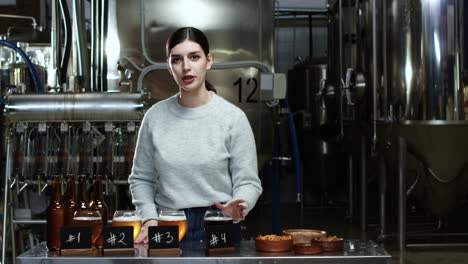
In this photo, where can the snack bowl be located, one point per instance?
(304, 236)
(273, 245)
(307, 248)
(336, 244)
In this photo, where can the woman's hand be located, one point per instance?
(143, 236)
(233, 209)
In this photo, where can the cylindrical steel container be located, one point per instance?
(75, 107)
(424, 60)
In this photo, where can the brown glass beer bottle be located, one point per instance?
(98, 204)
(55, 217)
(82, 199)
(70, 200)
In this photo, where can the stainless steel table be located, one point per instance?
(355, 251)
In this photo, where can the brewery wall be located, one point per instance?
(373, 117)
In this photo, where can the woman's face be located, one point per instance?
(188, 65)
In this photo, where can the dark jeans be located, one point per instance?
(196, 229)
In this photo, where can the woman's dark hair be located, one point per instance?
(192, 34)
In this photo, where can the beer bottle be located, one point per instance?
(70, 201)
(55, 217)
(98, 204)
(82, 199)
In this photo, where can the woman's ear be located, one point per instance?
(169, 66)
(209, 60)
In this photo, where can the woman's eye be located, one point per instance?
(175, 60)
(195, 57)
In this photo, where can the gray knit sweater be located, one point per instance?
(193, 157)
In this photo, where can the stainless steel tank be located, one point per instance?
(422, 99)
(240, 30)
(425, 51)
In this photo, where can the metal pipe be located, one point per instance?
(53, 74)
(375, 80)
(92, 73)
(311, 50)
(350, 188)
(438, 245)
(275, 188)
(340, 37)
(308, 11)
(75, 107)
(216, 66)
(402, 152)
(363, 184)
(34, 23)
(383, 196)
(5, 197)
(142, 33)
(102, 39)
(383, 108)
(82, 57)
(12, 229)
(67, 28)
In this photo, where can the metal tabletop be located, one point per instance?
(355, 251)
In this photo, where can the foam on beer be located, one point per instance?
(218, 218)
(87, 218)
(171, 218)
(127, 218)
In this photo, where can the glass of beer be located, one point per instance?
(215, 216)
(128, 218)
(93, 220)
(173, 218)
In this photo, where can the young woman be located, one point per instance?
(195, 148)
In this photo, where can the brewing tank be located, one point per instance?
(422, 99)
(424, 60)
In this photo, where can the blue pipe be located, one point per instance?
(275, 190)
(32, 69)
(296, 155)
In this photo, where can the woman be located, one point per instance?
(195, 148)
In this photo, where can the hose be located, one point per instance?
(32, 69)
(295, 145)
(68, 38)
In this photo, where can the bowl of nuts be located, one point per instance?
(301, 236)
(273, 243)
(330, 243)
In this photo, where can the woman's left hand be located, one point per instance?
(233, 209)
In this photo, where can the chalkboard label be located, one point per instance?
(75, 237)
(118, 237)
(219, 236)
(163, 237)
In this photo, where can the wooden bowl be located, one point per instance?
(307, 248)
(330, 246)
(273, 245)
(304, 236)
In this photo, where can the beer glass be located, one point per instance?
(173, 218)
(91, 218)
(215, 216)
(128, 218)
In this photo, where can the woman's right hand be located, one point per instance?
(143, 236)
